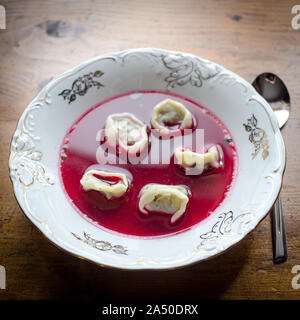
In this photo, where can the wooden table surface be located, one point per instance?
(45, 38)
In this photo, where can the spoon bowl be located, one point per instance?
(273, 89)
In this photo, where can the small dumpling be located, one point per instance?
(169, 116)
(125, 131)
(199, 162)
(164, 198)
(111, 184)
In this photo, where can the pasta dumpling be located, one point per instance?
(170, 115)
(199, 162)
(168, 199)
(124, 130)
(111, 184)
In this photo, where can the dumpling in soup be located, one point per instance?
(197, 163)
(111, 184)
(169, 116)
(125, 131)
(161, 198)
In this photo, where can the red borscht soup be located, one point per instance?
(206, 191)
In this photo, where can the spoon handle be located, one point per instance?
(278, 233)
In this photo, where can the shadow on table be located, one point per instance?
(208, 279)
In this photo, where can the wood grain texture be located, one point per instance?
(45, 38)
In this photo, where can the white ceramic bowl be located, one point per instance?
(35, 147)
